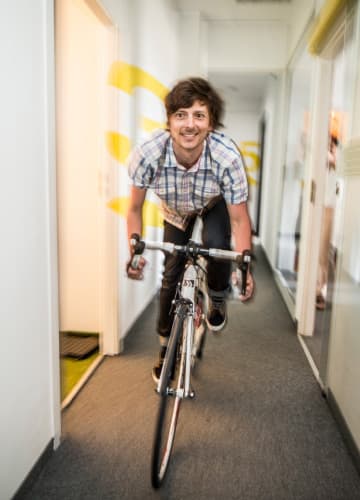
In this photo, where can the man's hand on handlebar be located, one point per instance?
(135, 266)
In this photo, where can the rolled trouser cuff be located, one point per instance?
(218, 295)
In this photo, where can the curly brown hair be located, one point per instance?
(189, 90)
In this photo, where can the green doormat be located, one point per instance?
(71, 371)
(78, 345)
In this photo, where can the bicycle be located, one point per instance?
(186, 339)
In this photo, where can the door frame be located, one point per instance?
(288, 296)
(109, 224)
(315, 186)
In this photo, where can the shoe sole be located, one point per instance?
(154, 377)
(218, 327)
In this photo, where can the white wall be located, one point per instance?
(344, 350)
(242, 126)
(300, 15)
(244, 129)
(191, 43)
(29, 371)
(344, 353)
(228, 9)
(142, 48)
(275, 117)
(247, 45)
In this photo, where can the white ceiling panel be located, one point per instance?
(242, 92)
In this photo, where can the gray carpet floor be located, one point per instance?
(258, 429)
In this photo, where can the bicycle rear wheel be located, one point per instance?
(169, 406)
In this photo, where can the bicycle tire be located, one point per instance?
(169, 407)
(200, 332)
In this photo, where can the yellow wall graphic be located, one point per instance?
(126, 77)
(149, 125)
(151, 212)
(252, 166)
(118, 145)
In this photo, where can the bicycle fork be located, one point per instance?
(188, 344)
(183, 388)
(187, 300)
(189, 284)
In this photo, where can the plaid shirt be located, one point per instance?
(219, 171)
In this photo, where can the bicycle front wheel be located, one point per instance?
(169, 407)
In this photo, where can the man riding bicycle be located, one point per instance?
(193, 168)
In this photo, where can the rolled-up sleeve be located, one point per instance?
(140, 171)
(234, 186)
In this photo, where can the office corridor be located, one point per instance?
(259, 427)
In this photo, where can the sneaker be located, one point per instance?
(216, 318)
(156, 371)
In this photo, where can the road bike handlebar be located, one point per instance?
(193, 250)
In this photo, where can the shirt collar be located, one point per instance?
(171, 162)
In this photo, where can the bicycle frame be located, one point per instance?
(194, 279)
(182, 337)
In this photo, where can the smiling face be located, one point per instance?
(188, 128)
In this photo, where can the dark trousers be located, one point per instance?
(216, 234)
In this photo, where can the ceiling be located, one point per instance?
(241, 91)
(232, 9)
(262, 1)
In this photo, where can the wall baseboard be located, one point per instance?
(344, 429)
(29, 481)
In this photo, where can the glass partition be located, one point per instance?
(296, 149)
